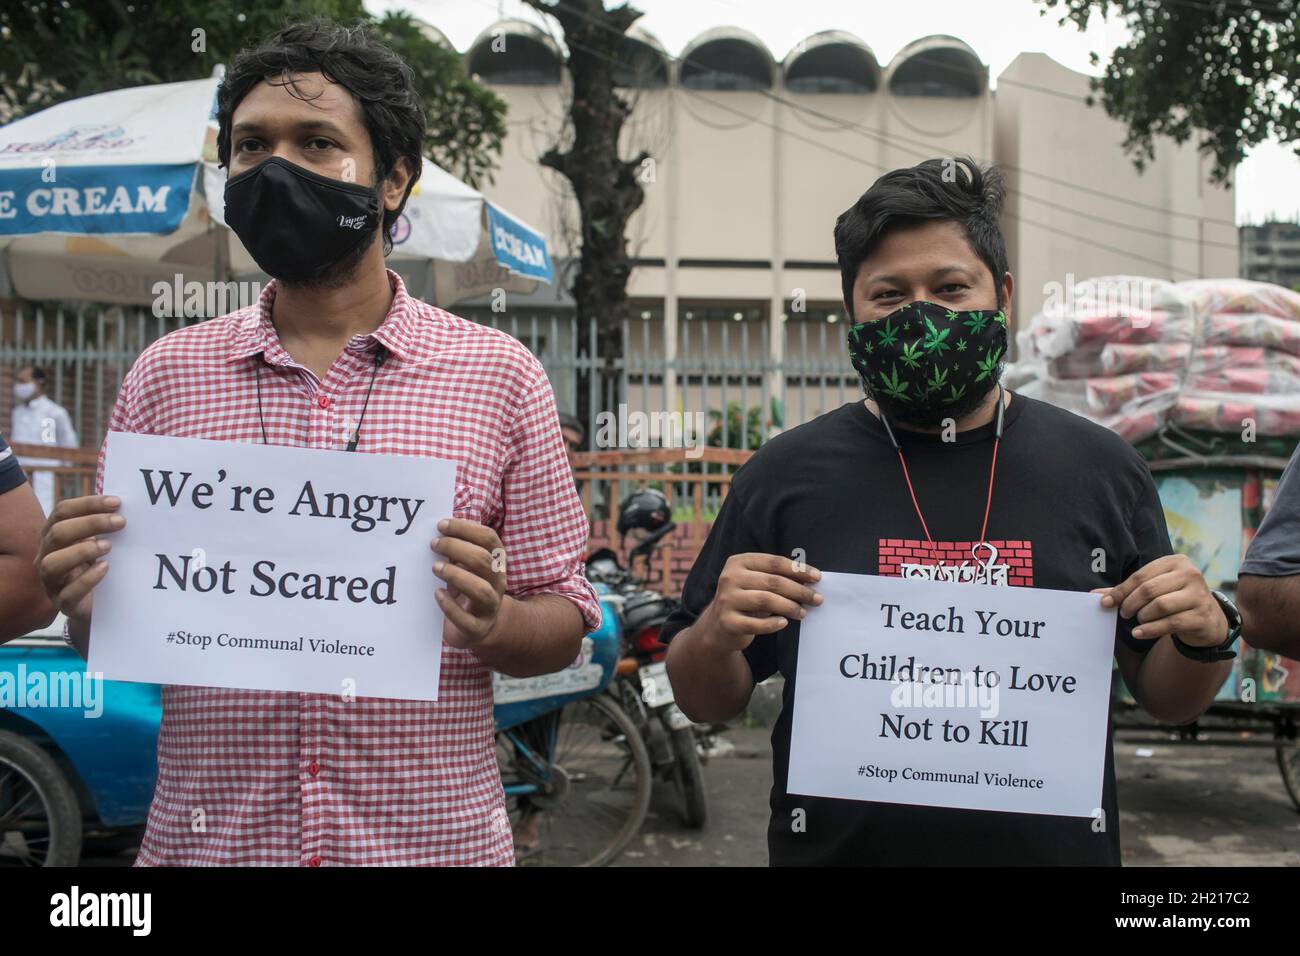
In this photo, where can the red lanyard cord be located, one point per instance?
(910, 491)
(988, 503)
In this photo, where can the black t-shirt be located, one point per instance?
(834, 487)
(11, 473)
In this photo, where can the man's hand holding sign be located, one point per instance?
(1168, 597)
(472, 562)
(482, 618)
(757, 594)
(71, 558)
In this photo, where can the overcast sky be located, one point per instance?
(1268, 183)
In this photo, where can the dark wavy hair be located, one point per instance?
(354, 58)
(968, 194)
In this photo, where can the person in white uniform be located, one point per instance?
(39, 420)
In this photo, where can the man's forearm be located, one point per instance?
(1270, 613)
(23, 604)
(1175, 689)
(535, 635)
(710, 684)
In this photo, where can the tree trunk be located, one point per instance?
(607, 188)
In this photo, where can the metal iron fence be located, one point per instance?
(726, 370)
(86, 351)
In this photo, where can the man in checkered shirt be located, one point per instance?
(324, 127)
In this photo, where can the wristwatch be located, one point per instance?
(1223, 652)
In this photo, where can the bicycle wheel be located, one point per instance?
(1288, 762)
(594, 797)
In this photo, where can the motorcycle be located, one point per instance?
(641, 682)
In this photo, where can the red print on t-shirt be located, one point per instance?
(993, 562)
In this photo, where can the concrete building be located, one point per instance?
(1270, 252)
(753, 157)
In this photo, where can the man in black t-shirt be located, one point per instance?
(930, 473)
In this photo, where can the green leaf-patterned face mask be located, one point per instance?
(924, 362)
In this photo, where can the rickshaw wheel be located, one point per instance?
(40, 817)
(1288, 761)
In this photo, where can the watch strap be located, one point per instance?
(1221, 652)
(1206, 655)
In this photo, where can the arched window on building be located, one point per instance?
(940, 67)
(726, 59)
(641, 63)
(832, 62)
(515, 53)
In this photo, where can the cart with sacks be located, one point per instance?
(1203, 378)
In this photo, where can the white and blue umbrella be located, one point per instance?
(97, 195)
(104, 196)
(118, 163)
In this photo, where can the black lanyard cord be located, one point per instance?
(381, 354)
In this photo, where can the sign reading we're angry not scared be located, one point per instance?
(272, 568)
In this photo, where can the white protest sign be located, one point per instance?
(272, 568)
(953, 695)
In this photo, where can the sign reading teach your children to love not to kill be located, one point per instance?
(272, 568)
(953, 695)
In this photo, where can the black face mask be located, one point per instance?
(296, 223)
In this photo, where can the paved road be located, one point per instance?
(1195, 805)
(1204, 806)
(737, 831)
(1200, 805)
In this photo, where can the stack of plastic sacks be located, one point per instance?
(1134, 353)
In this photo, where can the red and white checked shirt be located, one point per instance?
(250, 777)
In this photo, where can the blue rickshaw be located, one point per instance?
(77, 754)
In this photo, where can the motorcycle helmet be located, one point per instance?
(603, 567)
(646, 509)
(646, 609)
